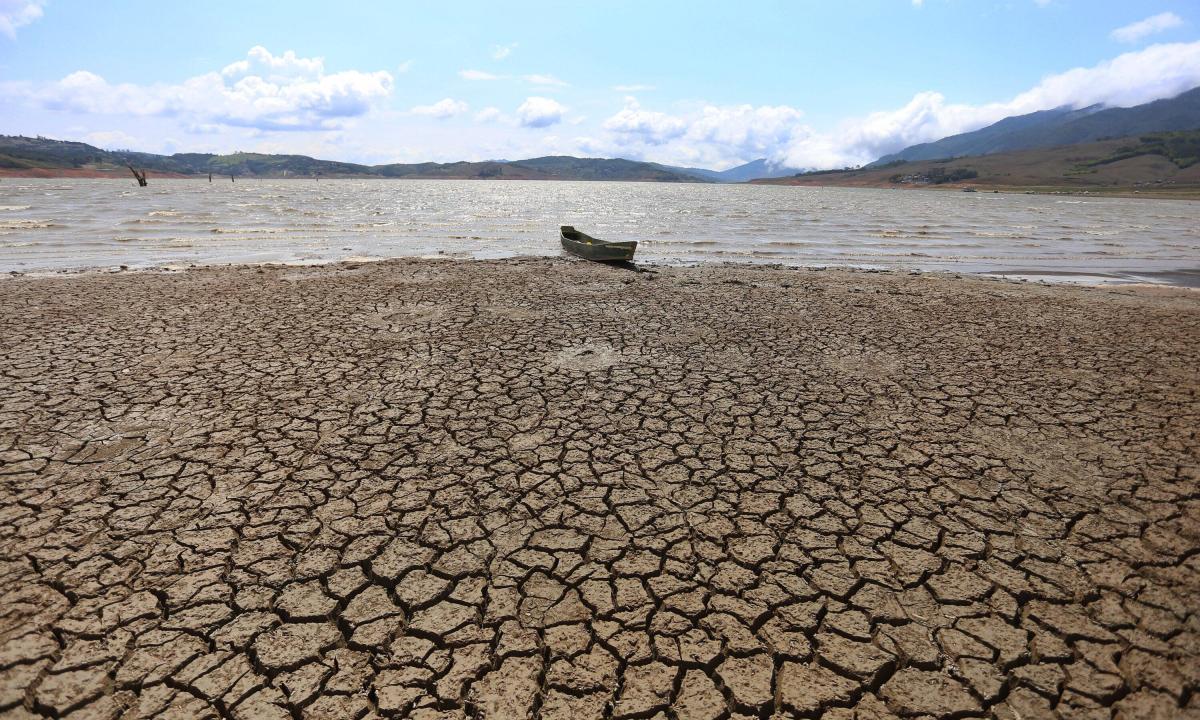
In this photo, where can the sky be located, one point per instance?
(809, 84)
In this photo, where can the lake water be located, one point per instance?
(72, 224)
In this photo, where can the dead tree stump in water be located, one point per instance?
(141, 176)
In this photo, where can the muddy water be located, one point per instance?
(68, 224)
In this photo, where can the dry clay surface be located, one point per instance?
(553, 489)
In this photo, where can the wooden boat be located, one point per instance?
(586, 246)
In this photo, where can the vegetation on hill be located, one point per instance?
(1061, 126)
(1181, 148)
(575, 168)
(18, 154)
(936, 176)
(23, 152)
(1162, 162)
(816, 173)
(266, 165)
(753, 170)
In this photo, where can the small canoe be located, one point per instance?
(586, 246)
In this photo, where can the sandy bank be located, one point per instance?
(429, 489)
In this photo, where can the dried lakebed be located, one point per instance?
(546, 488)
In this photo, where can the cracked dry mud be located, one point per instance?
(543, 488)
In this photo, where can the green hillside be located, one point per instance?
(24, 155)
(1063, 126)
(1181, 148)
(1161, 163)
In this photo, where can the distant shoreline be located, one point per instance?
(1186, 193)
(1182, 279)
(88, 174)
(1106, 168)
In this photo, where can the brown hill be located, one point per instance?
(46, 157)
(1123, 165)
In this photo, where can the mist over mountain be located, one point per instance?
(1062, 126)
(1039, 130)
(753, 170)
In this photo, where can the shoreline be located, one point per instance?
(1126, 192)
(1185, 278)
(1188, 193)
(69, 224)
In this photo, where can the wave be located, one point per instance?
(27, 224)
(157, 243)
(260, 231)
(674, 223)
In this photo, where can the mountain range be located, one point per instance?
(1035, 131)
(25, 155)
(753, 170)
(1164, 164)
(43, 156)
(1058, 127)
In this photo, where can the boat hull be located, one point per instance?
(589, 248)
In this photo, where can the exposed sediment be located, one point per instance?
(556, 489)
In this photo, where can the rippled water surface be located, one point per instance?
(60, 224)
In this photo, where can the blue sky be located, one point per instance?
(809, 84)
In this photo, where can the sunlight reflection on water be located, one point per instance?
(61, 224)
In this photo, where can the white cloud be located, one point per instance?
(202, 128)
(499, 52)
(404, 67)
(539, 112)
(1133, 78)
(648, 126)
(18, 13)
(754, 131)
(546, 80)
(488, 114)
(242, 106)
(263, 91)
(713, 135)
(727, 135)
(633, 88)
(1134, 32)
(477, 75)
(275, 67)
(1159, 71)
(442, 109)
(113, 140)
